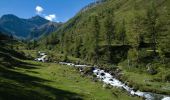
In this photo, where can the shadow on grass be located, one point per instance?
(13, 53)
(9, 62)
(18, 86)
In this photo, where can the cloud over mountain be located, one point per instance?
(50, 17)
(39, 9)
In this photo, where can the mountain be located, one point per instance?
(3, 37)
(38, 21)
(16, 26)
(22, 28)
(44, 30)
(3, 31)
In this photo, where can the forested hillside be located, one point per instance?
(116, 30)
(133, 34)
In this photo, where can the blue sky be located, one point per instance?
(56, 10)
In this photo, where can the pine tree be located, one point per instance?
(46, 42)
(109, 31)
(78, 46)
(34, 43)
(152, 22)
(66, 44)
(122, 32)
(95, 38)
(137, 30)
(28, 45)
(11, 41)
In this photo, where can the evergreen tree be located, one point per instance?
(95, 38)
(122, 32)
(62, 43)
(137, 30)
(109, 31)
(11, 41)
(66, 44)
(28, 45)
(46, 42)
(78, 47)
(34, 43)
(152, 22)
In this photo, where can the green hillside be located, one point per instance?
(113, 26)
(22, 79)
(133, 34)
(9, 54)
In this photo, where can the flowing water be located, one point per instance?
(107, 78)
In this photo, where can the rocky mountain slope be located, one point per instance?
(23, 28)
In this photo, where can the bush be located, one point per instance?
(65, 58)
(88, 70)
(152, 71)
(106, 86)
(167, 78)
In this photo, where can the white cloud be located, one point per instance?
(51, 17)
(39, 9)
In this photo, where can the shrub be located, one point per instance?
(152, 71)
(65, 58)
(106, 86)
(88, 70)
(167, 78)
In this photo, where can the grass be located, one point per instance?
(49, 81)
(146, 82)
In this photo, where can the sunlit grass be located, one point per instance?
(56, 81)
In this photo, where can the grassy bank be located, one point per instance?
(135, 78)
(147, 82)
(48, 81)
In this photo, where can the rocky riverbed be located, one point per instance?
(108, 79)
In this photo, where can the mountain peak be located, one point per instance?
(38, 20)
(36, 17)
(20, 27)
(9, 16)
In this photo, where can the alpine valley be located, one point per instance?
(110, 50)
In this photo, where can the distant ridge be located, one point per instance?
(23, 28)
